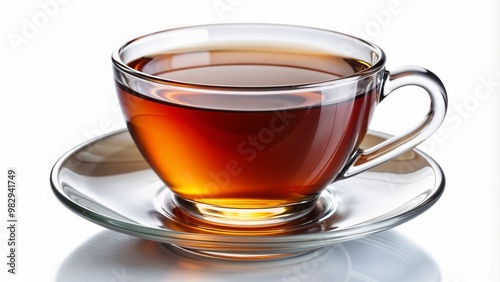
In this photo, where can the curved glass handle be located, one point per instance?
(391, 148)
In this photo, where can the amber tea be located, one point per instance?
(248, 150)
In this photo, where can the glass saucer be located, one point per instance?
(107, 181)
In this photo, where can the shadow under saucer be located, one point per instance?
(385, 256)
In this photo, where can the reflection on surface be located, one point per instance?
(386, 256)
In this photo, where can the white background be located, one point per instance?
(57, 91)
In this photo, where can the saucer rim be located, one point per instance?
(279, 242)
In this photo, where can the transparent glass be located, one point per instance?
(108, 182)
(248, 124)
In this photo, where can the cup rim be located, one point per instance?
(379, 65)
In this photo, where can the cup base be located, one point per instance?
(245, 217)
(289, 219)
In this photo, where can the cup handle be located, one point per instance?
(365, 159)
